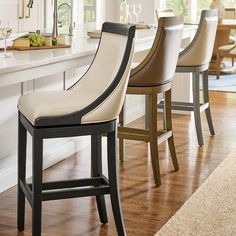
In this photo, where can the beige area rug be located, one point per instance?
(211, 210)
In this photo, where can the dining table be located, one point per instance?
(222, 38)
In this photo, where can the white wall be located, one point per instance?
(109, 10)
(148, 9)
(10, 10)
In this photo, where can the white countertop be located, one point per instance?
(82, 46)
(21, 60)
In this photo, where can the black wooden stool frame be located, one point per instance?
(98, 185)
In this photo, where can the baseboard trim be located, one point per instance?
(52, 155)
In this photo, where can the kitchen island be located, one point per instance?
(56, 69)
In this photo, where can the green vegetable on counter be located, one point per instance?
(36, 40)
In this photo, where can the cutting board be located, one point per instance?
(38, 48)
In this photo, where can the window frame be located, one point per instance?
(77, 12)
(192, 7)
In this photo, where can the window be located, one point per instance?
(83, 11)
(179, 6)
(63, 1)
(64, 15)
(204, 4)
(183, 6)
(89, 11)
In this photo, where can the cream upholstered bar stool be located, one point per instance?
(90, 107)
(195, 59)
(151, 77)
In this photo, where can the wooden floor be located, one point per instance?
(145, 207)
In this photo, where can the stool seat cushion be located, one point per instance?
(229, 49)
(226, 47)
(55, 103)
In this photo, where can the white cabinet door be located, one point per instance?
(18, 12)
(31, 19)
(9, 11)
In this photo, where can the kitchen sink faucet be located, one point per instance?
(55, 19)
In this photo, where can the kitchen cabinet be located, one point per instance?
(22, 18)
(9, 10)
(31, 19)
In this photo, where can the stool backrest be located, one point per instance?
(164, 13)
(199, 51)
(158, 67)
(230, 13)
(106, 79)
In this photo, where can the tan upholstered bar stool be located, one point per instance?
(90, 107)
(195, 59)
(164, 13)
(151, 77)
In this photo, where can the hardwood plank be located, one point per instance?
(145, 207)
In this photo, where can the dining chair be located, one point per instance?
(151, 77)
(228, 49)
(90, 107)
(164, 13)
(195, 59)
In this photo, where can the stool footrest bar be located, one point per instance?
(133, 134)
(184, 106)
(69, 188)
(163, 136)
(142, 134)
(74, 183)
(65, 194)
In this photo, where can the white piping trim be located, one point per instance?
(174, 27)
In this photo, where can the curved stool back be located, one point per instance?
(167, 12)
(199, 51)
(195, 59)
(151, 77)
(89, 107)
(158, 67)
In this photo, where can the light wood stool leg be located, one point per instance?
(146, 111)
(153, 137)
(218, 62)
